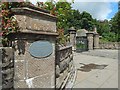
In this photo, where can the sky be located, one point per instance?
(100, 9)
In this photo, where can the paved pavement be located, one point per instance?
(103, 53)
(89, 76)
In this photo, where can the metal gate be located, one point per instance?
(81, 44)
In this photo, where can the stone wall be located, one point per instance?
(7, 57)
(65, 71)
(109, 45)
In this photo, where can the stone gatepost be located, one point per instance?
(72, 33)
(90, 40)
(37, 30)
(96, 41)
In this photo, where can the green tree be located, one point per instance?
(115, 25)
(86, 21)
(74, 19)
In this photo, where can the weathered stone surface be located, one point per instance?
(71, 57)
(61, 79)
(8, 84)
(43, 81)
(40, 24)
(96, 41)
(19, 57)
(7, 56)
(90, 40)
(20, 70)
(70, 65)
(21, 21)
(34, 20)
(72, 33)
(20, 84)
(36, 68)
(65, 64)
(27, 67)
(57, 71)
(109, 45)
(8, 71)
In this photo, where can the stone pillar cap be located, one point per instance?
(72, 29)
(96, 34)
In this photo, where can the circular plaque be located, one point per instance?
(41, 49)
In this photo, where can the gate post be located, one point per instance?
(35, 25)
(96, 40)
(90, 40)
(72, 33)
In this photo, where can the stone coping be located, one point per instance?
(36, 8)
(64, 47)
(29, 10)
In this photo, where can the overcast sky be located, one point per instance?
(100, 9)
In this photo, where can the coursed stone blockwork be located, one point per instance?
(109, 45)
(7, 57)
(65, 70)
(96, 40)
(90, 40)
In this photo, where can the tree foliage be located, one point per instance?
(115, 25)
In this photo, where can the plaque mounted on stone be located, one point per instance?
(41, 49)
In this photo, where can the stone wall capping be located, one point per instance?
(64, 47)
(36, 8)
(28, 10)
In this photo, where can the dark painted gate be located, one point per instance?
(81, 44)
